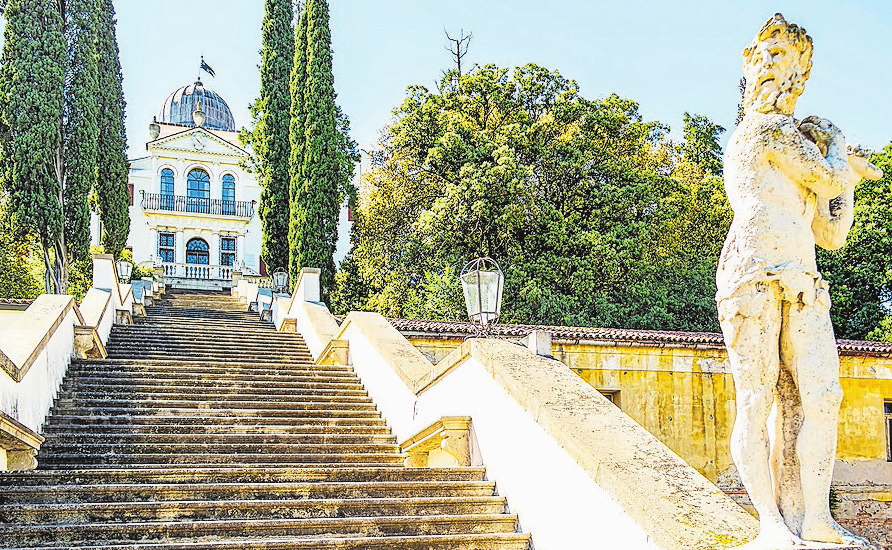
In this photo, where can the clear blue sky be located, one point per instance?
(670, 56)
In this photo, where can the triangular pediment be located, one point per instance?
(197, 140)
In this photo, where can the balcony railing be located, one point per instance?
(180, 203)
(198, 271)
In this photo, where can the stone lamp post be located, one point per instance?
(482, 283)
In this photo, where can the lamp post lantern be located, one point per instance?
(124, 268)
(482, 282)
(280, 280)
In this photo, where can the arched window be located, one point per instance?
(229, 194)
(197, 252)
(198, 191)
(167, 200)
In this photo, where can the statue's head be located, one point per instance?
(776, 65)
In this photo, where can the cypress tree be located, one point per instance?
(32, 83)
(111, 193)
(81, 129)
(296, 137)
(318, 167)
(272, 143)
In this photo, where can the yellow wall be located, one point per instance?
(685, 396)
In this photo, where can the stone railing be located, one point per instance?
(198, 271)
(528, 414)
(36, 348)
(198, 205)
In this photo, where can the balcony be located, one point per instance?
(197, 276)
(195, 205)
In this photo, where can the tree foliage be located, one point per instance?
(858, 273)
(17, 268)
(81, 128)
(32, 83)
(272, 114)
(564, 192)
(701, 144)
(322, 154)
(111, 194)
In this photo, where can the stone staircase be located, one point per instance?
(207, 429)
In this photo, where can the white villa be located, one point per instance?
(193, 207)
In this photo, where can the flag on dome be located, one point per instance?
(206, 68)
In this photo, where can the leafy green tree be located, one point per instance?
(32, 83)
(81, 130)
(111, 194)
(272, 112)
(321, 166)
(564, 192)
(17, 273)
(858, 273)
(701, 144)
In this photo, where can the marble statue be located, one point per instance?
(791, 185)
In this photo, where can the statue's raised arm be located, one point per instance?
(791, 185)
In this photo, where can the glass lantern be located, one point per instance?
(124, 270)
(280, 280)
(482, 283)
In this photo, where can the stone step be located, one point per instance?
(258, 421)
(176, 325)
(206, 318)
(246, 490)
(201, 314)
(70, 461)
(118, 512)
(191, 362)
(163, 341)
(115, 393)
(303, 404)
(271, 357)
(216, 305)
(161, 531)
(186, 369)
(57, 447)
(58, 440)
(235, 415)
(482, 541)
(223, 431)
(216, 329)
(94, 391)
(209, 380)
(234, 476)
(158, 336)
(186, 384)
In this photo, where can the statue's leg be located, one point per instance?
(785, 466)
(751, 327)
(809, 349)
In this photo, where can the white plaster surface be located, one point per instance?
(30, 400)
(8, 317)
(556, 500)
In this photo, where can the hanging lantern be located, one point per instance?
(124, 268)
(482, 282)
(280, 280)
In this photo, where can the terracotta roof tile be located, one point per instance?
(619, 336)
(17, 301)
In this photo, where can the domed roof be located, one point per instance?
(178, 107)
